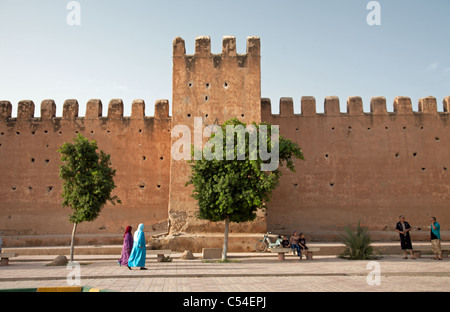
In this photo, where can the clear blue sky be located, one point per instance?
(123, 49)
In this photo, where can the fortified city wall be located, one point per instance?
(368, 166)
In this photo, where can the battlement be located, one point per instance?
(402, 106)
(94, 109)
(203, 47)
(229, 52)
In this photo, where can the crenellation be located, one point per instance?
(48, 109)
(286, 107)
(70, 109)
(355, 106)
(138, 109)
(25, 110)
(203, 46)
(229, 46)
(162, 109)
(266, 108)
(332, 106)
(428, 105)
(5, 110)
(402, 105)
(253, 46)
(446, 103)
(115, 109)
(94, 109)
(308, 106)
(179, 47)
(378, 105)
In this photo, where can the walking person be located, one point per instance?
(127, 246)
(403, 228)
(435, 238)
(138, 252)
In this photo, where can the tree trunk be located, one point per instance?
(72, 242)
(225, 240)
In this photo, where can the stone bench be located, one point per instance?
(417, 251)
(5, 257)
(159, 253)
(282, 251)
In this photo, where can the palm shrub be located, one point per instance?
(358, 243)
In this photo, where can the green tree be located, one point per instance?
(88, 181)
(232, 190)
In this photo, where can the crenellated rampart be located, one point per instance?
(369, 166)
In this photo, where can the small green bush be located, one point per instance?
(358, 243)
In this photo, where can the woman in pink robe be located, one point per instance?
(127, 246)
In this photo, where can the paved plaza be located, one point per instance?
(246, 272)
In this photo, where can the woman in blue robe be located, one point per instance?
(138, 254)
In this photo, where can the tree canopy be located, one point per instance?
(229, 189)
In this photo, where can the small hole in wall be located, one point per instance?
(397, 155)
(437, 138)
(242, 115)
(423, 169)
(404, 128)
(158, 186)
(332, 128)
(369, 129)
(17, 132)
(331, 184)
(206, 115)
(326, 156)
(13, 188)
(207, 85)
(108, 131)
(47, 161)
(144, 157)
(225, 85)
(47, 146)
(140, 130)
(190, 84)
(296, 129)
(32, 160)
(206, 98)
(77, 132)
(33, 132)
(45, 131)
(30, 189)
(92, 131)
(162, 157)
(3, 133)
(349, 127)
(414, 154)
(295, 184)
(189, 115)
(445, 168)
(49, 189)
(142, 186)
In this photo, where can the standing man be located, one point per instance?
(435, 237)
(403, 228)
